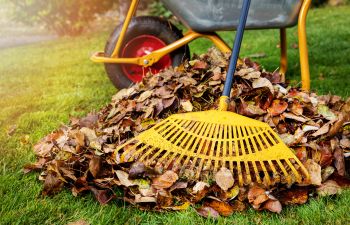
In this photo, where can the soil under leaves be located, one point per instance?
(82, 156)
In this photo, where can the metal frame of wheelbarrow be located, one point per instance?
(155, 56)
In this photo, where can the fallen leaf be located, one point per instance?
(199, 65)
(90, 121)
(238, 206)
(187, 106)
(207, 212)
(277, 107)
(233, 192)
(137, 169)
(52, 184)
(145, 95)
(165, 180)
(124, 178)
(90, 134)
(273, 206)
(263, 82)
(223, 208)
(339, 161)
(326, 112)
(224, 178)
(182, 207)
(307, 128)
(199, 186)
(43, 149)
(141, 199)
(345, 143)
(315, 172)
(337, 126)
(327, 172)
(95, 166)
(164, 199)
(294, 196)
(297, 108)
(329, 187)
(323, 130)
(257, 196)
(102, 196)
(295, 117)
(178, 185)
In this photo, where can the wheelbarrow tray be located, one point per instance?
(220, 15)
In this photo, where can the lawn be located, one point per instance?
(42, 85)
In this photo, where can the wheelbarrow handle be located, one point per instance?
(236, 48)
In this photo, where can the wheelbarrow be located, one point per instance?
(149, 44)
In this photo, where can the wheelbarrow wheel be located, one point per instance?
(144, 35)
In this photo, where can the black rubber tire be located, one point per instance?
(142, 25)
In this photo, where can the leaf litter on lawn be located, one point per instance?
(81, 156)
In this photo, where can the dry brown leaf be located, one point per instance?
(165, 180)
(263, 82)
(295, 196)
(102, 196)
(323, 130)
(223, 208)
(314, 170)
(95, 166)
(207, 212)
(199, 186)
(124, 178)
(145, 95)
(53, 184)
(137, 169)
(339, 161)
(141, 199)
(224, 178)
(277, 107)
(187, 106)
(273, 206)
(330, 187)
(327, 172)
(345, 143)
(295, 117)
(257, 196)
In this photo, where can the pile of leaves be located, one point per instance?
(82, 156)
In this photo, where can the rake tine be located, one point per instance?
(122, 157)
(189, 143)
(239, 172)
(295, 172)
(254, 147)
(289, 180)
(218, 148)
(149, 151)
(195, 147)
(213, 144)
(265, 171)
(272, 167)
(187, 136)
(205, 149)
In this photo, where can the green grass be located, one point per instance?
(42, 85)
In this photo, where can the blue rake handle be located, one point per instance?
(236, 48)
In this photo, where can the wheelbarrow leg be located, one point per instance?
(284, 60)
(303, 51)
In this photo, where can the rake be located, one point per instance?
(202, 141)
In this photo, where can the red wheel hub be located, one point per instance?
(141, 46)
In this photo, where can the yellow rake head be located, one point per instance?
(215, 139)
